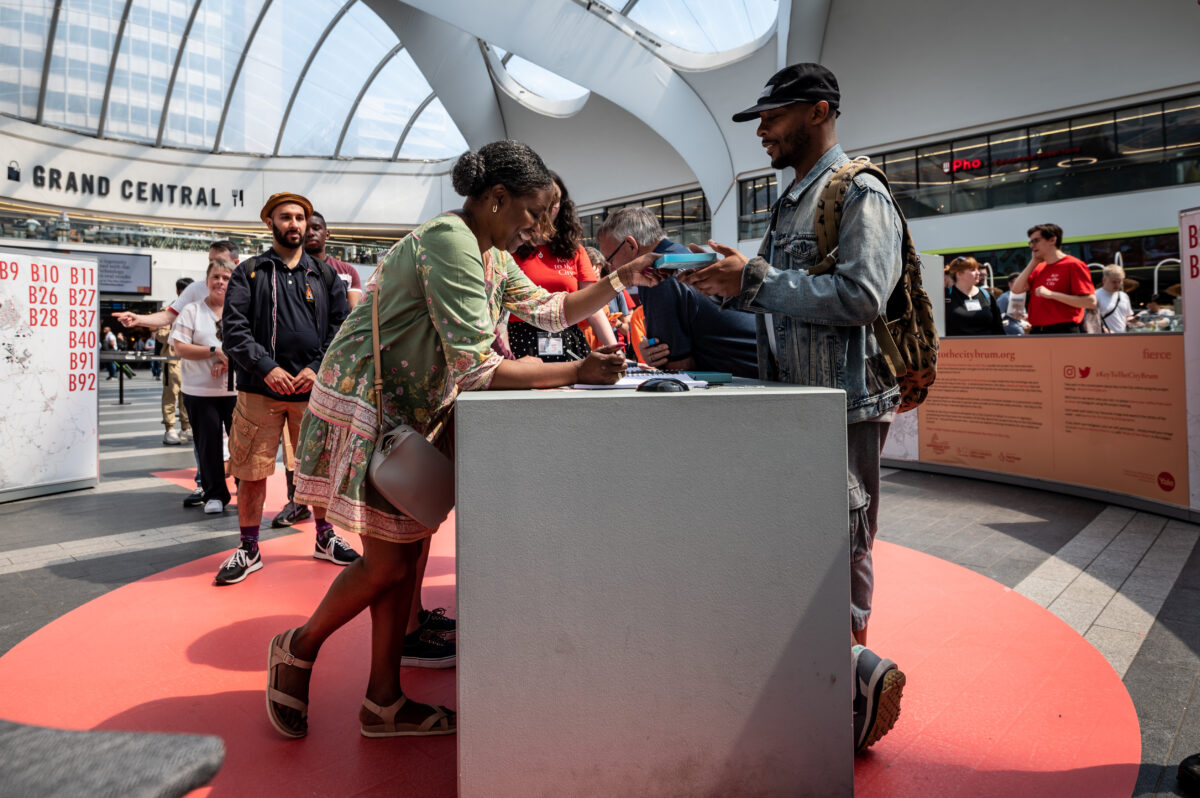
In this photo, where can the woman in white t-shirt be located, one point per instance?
(204, 369)
(1111, 302)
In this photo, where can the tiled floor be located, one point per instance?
(1128, 581)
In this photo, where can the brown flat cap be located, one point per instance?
(275, 200)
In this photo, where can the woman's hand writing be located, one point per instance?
(603, 366)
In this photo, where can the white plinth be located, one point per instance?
(653, 594)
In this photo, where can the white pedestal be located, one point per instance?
(653, 594)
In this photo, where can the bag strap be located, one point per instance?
(378, 386)
(830, 206)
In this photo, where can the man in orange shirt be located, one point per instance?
(1062, 289)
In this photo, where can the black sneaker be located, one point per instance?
(195, 498)
(239, 565)
(1189, 775)
(335, 549)
(426, 649)
(436, 621)
(878, 686)
(291, 514)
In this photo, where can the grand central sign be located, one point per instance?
(88, 183)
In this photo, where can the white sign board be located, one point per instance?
(1189, 272)
(124, 273)
(48, 368)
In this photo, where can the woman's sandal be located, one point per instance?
(440, 721)
(280, 653)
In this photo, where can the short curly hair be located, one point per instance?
(512, 164)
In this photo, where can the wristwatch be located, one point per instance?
(614, 280)
(212, 350)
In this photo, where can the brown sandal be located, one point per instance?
(440, 721)
(280, 653)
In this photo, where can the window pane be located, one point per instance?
(24, 25)
(969, 173)
(1182, 118)
(434, 136)
(1048, 146)
(1089, 163)
(1010, 168)
(706, 26)
(282, 44)
(542, 81)
(933, 191)
(397, 91)
(213, 48)
(143, 70)
(354, 47)
(79, 64)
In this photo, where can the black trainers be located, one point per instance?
(426, 649)
(1189, 775)
(239, 565)
(195, 498)
(436, 621)
(290, 514)
(335, 549)
(878, 686)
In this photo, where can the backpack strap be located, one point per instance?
(830, 207)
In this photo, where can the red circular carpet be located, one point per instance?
(1003, 698)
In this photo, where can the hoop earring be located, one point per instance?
(495, 208)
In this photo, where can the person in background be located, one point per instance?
(817, 329)
(225, 251)
(196, 337)
(108, 342)
(970, 310)
(439, 294)
(619, 309)
(1012, 309)
(689, 330)
(557, 262)
(1157, 313)
(282, 309)
(1112, 303)
(1059, 285)
(150, 347)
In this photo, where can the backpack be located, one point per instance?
(906, 330)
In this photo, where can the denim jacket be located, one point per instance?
(822, 324)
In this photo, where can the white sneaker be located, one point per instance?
(171, 438)
(185, 435)
(213, 506)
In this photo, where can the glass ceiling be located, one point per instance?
(322, 78)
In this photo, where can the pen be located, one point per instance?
(571, 354)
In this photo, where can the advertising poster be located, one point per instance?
(1189, 269)
(48, 368)
(1102, 411)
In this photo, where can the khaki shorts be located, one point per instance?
(258, 424)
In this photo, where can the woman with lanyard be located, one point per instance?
(204, 385)
(558, 263)
(970, 310)
(439, 295)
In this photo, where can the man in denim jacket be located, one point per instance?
(817, 329)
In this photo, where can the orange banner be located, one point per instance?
(1103, 411)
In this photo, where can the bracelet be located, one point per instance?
(614, 280)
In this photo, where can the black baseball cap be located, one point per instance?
(807, 83)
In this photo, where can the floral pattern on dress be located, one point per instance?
(439, 304)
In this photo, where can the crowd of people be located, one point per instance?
(279, 349)
(1053, 294)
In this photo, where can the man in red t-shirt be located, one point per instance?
(1059, 285)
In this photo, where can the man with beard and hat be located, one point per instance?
(282, 310)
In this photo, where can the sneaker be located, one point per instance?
(878, 686)
(290, 514)
(336, 550)
(1189, 775)
(185, 435)
(436, 621)
(426, 649)
(171, 438)
(214, 507)
(195, 498)
(239, 565)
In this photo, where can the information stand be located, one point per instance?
(49, 308)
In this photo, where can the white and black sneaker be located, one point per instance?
(878, 687)
(426, 649)
(239, 565)
(335, 549)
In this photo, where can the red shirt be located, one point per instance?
(1066, 276)
(557, 274)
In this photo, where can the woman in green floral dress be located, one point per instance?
(441, 291)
